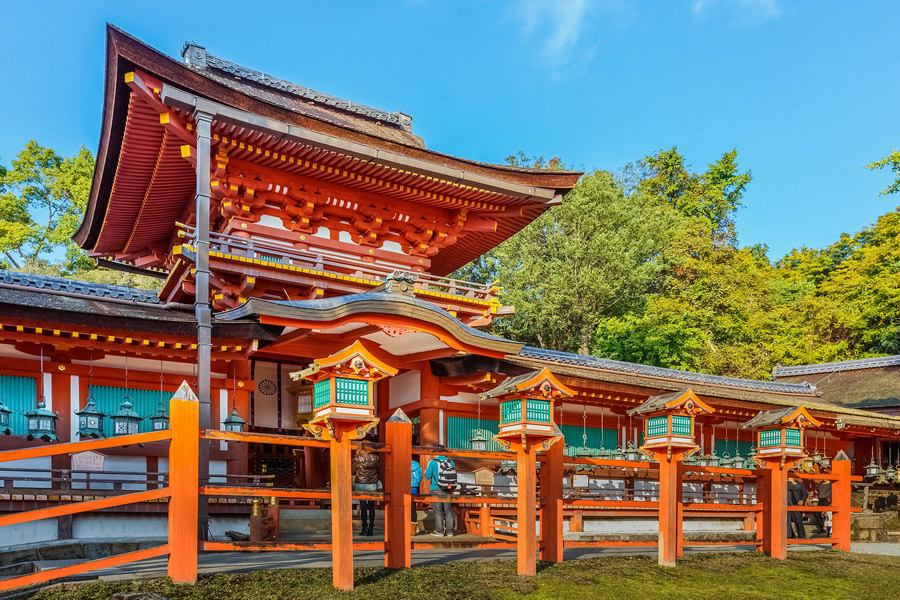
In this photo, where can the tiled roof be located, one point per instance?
(686, 376)
(834, 367)
(72, 286)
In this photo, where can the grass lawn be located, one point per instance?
(815, 575)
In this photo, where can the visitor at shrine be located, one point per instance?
(415, 483)
(822, 519)
(441, 473)
(797, 496)
(365, 479)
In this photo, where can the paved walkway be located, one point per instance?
(885, 548)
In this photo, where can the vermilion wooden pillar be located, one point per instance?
(184, 420)
(526, 533)
(679, 518)
(551, 474)
(341, 506)
(775, 517)
(840, 500)
(669, 500)
(398, 431)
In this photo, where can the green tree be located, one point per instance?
(892, 160)
(42, 200)
(590, 257)
(713, 195)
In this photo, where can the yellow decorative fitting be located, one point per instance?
(185, 151)
(129, 77)
(110, 338)
(39, 330)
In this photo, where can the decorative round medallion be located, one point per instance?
(267, 387)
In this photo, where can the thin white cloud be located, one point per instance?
(754, 10)
(560, 29)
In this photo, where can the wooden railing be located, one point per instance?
(492, 510)
(337, 265)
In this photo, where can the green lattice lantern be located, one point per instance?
(781, 434)
(344, 384)
(669, 421)
(526, 406)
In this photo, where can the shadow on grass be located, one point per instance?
(377, 576)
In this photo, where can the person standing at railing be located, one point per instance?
(441, 472)
(415, 483)
(365, 479)
(822, 519)
(797, 496)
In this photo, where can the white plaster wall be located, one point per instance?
(129, 464)
(42, 462)
(405, 388)
(28, 533)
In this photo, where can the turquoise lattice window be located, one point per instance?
(538, 410)
(792, 437)
(770, 438)
(351, 391)
(144, 403)
(462, 429)
(321, 393)
(657, 426)
(511, 411)
(681, 425)
(19, 394)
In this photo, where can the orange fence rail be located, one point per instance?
(509, 517)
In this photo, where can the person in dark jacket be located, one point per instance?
(797, 496)
(365, 479)
(822, 519)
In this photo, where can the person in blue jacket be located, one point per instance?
(415, 484)
(441, 472)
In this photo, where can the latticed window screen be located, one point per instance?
(462, 429)
(511, 411)
(19, 394)
(657, 426)
(351, 391)
(596, 437)
(792, 437)
(538, 410)
(769, 438)
(681, 425)
(321, 393)
(109, 400)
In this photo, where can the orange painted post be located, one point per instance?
(679, 518)
(398, 431)
(526, 484)
(484, 520)
(840, 500)
(669, 499)
(552, 504)
(764, 516)
(777, 522)
(341, 507)
(576, 521)
(184, 419)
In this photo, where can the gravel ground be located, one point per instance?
(885, 548)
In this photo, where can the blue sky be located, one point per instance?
(806, 91)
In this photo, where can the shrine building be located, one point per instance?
(286, 226)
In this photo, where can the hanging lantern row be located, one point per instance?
(41, 421)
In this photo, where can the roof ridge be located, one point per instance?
(833, 367)
(76, 286)
(197, 57)
(687, 376)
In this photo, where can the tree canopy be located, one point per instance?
(644, 266)
(43, 196)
